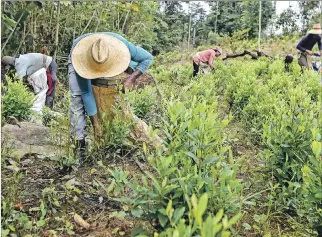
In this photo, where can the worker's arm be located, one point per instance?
(320, 45)
(144, 60)
(89, 103)
(302, 48)
(211, 59)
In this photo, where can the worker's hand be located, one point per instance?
(98, 133)
(96, 126)
(309, 52)
(128, 82)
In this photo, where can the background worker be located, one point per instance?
(306, 45)
(34, 66)
(205, 59)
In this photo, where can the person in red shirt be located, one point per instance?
(205, 57)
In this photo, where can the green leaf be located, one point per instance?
(211, 160)
(110, 187)
(233, 220)
(137, 212)
(178, 213)
(318, 195)
(216, 228)
(41, 223)
(9, 21)
(247, 226)
(225, 234)
(169, 210)
(120, 214)
(193, 156)
(162, 219)
(175, 233)
(164, 182)
(202, 204)
(219, 215)
(225, 222)
(5, 233)
(194, 201)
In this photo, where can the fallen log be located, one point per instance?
(254, 55)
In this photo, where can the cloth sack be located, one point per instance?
(38, 81)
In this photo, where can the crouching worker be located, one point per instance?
(95, 59)
(34, 66)
(204, 61)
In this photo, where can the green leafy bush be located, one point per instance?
(211, 225)
(17, 100)
(143, 101)
(196, 162)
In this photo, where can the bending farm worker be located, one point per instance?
(33, 65)
(205, 59)
(51, 80)
(96, 58)
(306, 45)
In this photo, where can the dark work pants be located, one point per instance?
(195, 69)
(50, 101)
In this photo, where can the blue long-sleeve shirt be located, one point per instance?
(140, 60)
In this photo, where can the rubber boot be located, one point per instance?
(81, 151)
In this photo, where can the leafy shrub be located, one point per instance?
(195, 162)
(211, 225)
(143, 101)
(17, 100)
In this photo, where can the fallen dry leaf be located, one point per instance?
(80, 221)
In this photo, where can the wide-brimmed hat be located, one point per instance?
(316, 30)
(100, 55)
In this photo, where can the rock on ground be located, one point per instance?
(28, 138)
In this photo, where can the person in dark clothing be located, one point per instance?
(287, 62)
(306, 45)
(51, 80)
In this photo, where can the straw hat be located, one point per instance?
(100, 55)
(316, 30)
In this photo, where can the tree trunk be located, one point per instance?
(123, 26)
(75, 24)
(189, 28)
(57, 30)
(217, 7)
(259, 25)
(248, 52)
(127, 15)
(118, 17)
(194, 37)
(98, 17)
(14, 29)
(89, 22)
(51, 16)
(22, 42)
